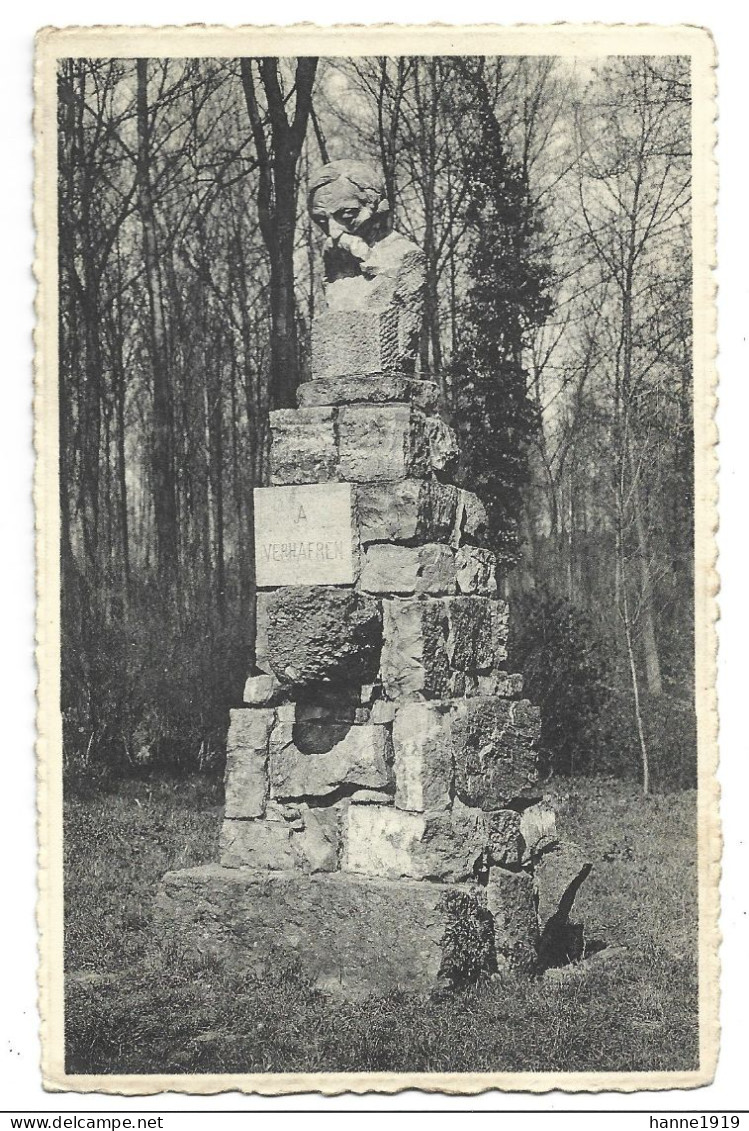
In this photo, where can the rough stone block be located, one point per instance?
(383, 711)
(510, 900)
(369, 390)
(439, 507)
(538, 828)
(288, 813)
(444, 450)
(470, 641)
(303, 446)
(320, 761)
(463, 685)
(497, 832)
(389, 569)
(246, 778)
(414, 648)
(262, 661)
(471, 522)
(500, 629)
(318, 846)
(406, 570)
(436, 569)
(476, 571)
(559, 874)
(260, 690)
(358, 934)
(264, 845)
(379, 841)
(423, 756)
(320, 633)
(558, 877)
(504, 838)
(370, 797)
(412, 510)
(381, 443)
(494, 750)
(353, 343)
(308, 840)
(500, 685)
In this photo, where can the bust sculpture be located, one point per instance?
(368, 266)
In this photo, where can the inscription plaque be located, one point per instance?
(303, 535)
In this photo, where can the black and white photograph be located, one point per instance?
(376, 495)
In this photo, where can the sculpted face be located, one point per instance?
(347, 201)
(340, 208)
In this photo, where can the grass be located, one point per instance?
(136, 1004)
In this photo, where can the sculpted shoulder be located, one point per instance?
(394, 252)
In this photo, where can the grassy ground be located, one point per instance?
(135, 1004)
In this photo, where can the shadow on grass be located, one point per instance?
(137, 1005)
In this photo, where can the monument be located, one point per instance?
(382, 819)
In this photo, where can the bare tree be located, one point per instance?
(278, 143)
(633, 192)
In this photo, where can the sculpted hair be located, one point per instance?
(363, 176)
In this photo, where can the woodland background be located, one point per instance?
(552, 200)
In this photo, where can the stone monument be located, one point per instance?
(382, 819)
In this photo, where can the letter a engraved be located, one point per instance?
(303, 538)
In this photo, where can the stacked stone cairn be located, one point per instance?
(382, 814)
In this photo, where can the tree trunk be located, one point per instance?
(284, 345)
(638, 712)
(122, 483)
(162, 438)
(278, 156)
(649, 638)
(622, 578)
(90, 431)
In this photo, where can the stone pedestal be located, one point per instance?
(377, 774)
(358, 934)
